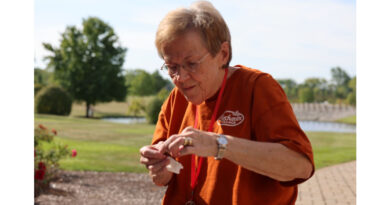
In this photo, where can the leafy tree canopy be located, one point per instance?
(287, 83)
(341, 88)
(319, 83)
(41, 77)
(340, 77)
(306, 94)
(141, 83)
(88, 63)
(352, 84)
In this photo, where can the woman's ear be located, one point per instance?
(224, 53)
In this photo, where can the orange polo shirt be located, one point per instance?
(253, 107)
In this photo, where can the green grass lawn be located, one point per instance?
(101, 146)
(106, 146)
(348, 120)
(332, 148)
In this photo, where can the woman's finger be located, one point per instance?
(151, 152)
(186, 150)
(163, 148)
(150, 161)
(158, 167)
(175, 146)
(188, 129)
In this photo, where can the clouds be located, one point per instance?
(287, 38)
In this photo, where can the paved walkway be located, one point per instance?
(330, 185)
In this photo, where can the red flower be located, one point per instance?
(39, 174)
(74, 153)
(41, 166)
(42, 127)
(54, 131)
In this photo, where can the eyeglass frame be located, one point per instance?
(197, 63)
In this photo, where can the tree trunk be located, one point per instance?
(87, 110)
(91, 110)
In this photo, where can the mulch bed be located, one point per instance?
(74, 187)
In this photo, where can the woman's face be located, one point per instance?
(189, 49)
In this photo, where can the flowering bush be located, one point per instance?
(46, 161)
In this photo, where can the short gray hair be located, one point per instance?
(202, 17)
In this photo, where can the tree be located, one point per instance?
(306, 94)
(352, 84)
(351, 99)
(41, 76)
(88, 63)
(340, 77)
(141, 83)
(319, 83)
(290, 87)
(160, 82)
(318, 87)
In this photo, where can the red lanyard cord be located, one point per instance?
(195, 171)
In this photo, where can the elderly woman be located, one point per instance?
(232, 128)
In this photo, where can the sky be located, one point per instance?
(294, 39)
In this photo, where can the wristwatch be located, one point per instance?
(222, 144)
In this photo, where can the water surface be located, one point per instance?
(316, 126)
(309, 126)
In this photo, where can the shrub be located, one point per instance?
(154, 107)
(53, 100)
(153, 110)
(163, 93)
(46, 161)
(136, 107)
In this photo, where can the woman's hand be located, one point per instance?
(204, 144)
(156, 163)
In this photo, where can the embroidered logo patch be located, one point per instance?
(231, 118)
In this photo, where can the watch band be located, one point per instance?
(222, 144)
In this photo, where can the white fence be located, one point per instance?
(322, 111)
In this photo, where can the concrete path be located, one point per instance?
(330, 185)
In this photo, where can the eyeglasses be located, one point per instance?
(173, 70)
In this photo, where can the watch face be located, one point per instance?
(222, 140)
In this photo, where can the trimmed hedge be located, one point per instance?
(53, 100)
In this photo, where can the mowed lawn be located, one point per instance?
(100, 145)
(106, 146)
(348, 120)
(332, 148)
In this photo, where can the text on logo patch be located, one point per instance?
(231, 118)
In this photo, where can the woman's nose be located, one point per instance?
(182, 75)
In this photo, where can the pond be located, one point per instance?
(125, 120)
(316, 126)
(311, 126)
